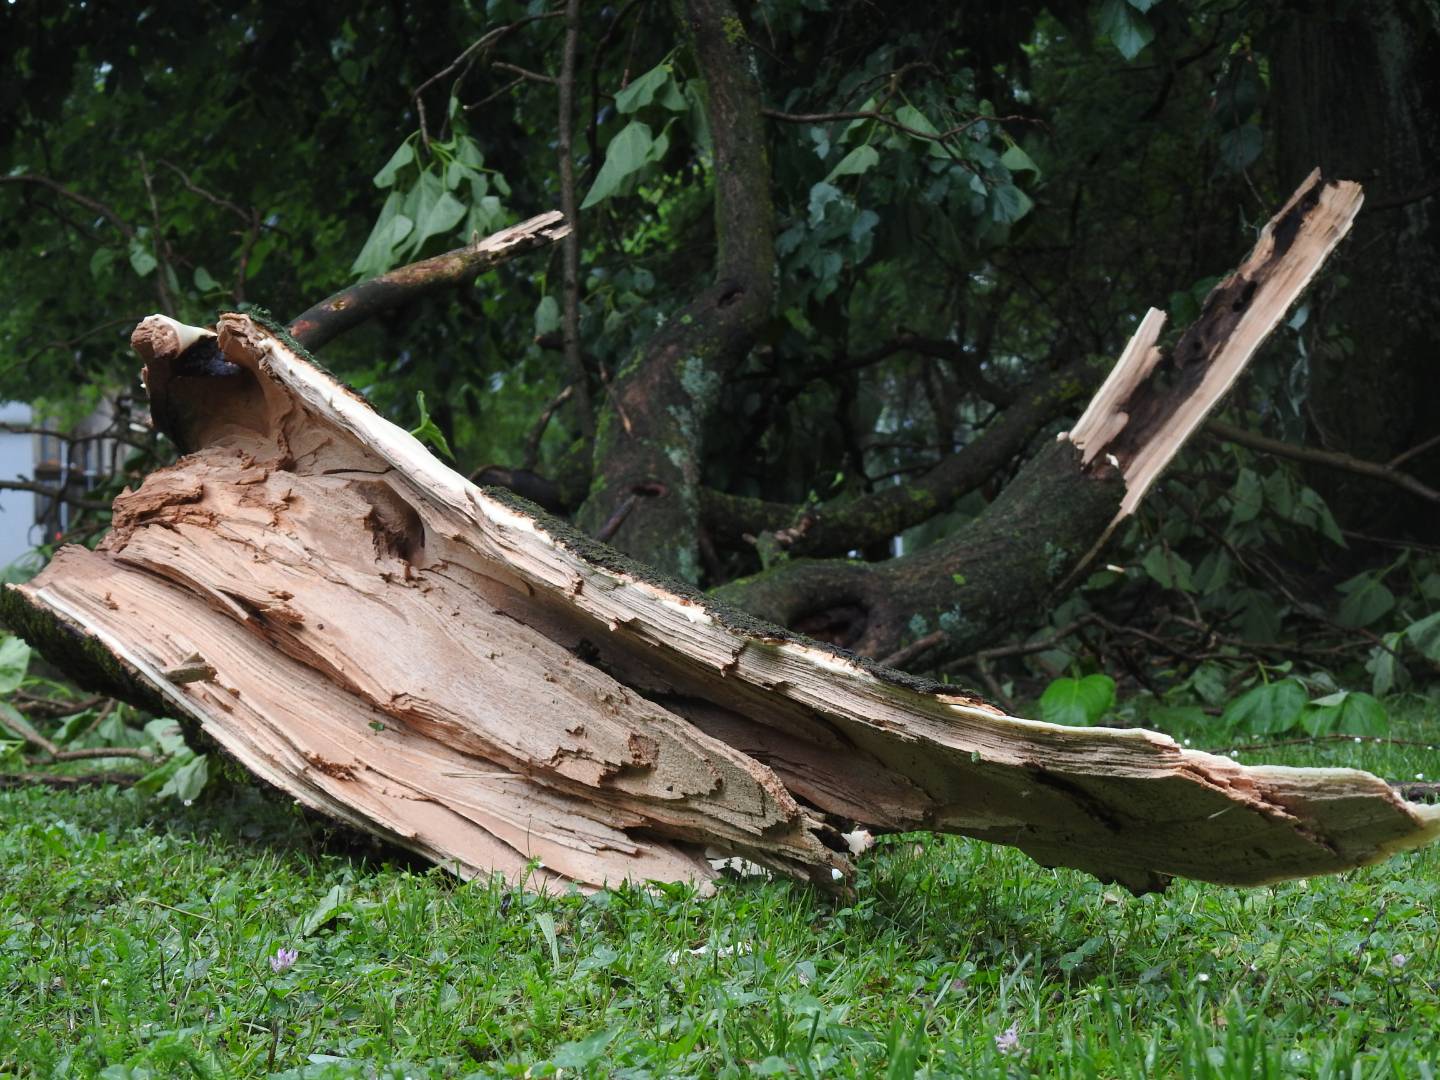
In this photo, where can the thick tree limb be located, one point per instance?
(651, 430)
(364, 300)
(844, 526)
(464, 676)
(1048, 523)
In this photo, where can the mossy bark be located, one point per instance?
(650, 436)
(974, 587)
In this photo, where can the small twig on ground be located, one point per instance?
(66, 783)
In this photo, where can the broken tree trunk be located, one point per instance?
(453, 670)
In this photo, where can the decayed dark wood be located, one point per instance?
(452, 669)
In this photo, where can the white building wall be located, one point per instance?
(17, 508)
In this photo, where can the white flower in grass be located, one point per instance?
(283, 960)
(1008, 1041)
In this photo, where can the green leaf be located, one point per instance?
(1017, 160)
(1008, 203)
(1268, 709)
(1247, 497)
(1142, 5)
(188, 780)
(1424, 635)
(1346, 712)
(1366, 599)
(642, 89)
(142, 260)
(101, 260)
(546, 922)
(912, 117)
(1169, 569)
(627, 153)
(1386, 672)
(1077, 702)
(547, 316)
(856, 162)
(1127, 30)
(583, 1053)
(427, 431)
(398, 160)
(391, 228)
(441, 217)
(14, 661)
(1240, 148)
(331, 905)
(204, 282)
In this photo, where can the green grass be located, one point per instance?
(134, 938)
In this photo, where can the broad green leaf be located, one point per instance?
(203, 281)
(583, 1053)
(1240, 148)
(165, 733)
(1386, 672)
(1142, 5)
(1017, 160)
(1424, 635)
(546, 922)
(856, 162)
(14, 661)
(188, 780)
(1169, 569)
(142, 260)
(101, 260)
(1213, 572)
(390, 229)
(1078, 702)
(330, 905)
(627, 153)
(398, 160)
(441, 217)
(1366, 599)
(547, 316)
(1247, 497)
(912, 117)
(1346, 712)
(1268, 709)
(821, 196)
(1008, 204)
(642, 89)
(1127, 30)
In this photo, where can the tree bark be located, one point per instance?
(650, 438)
(455, 671)
(1357, 91)
(1001, 571)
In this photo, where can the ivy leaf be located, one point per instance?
(1077, 702)
(1127, 30)
(14, 660)
(1346, 712)
(398, 160)
(857, 161)
(628, 152)
(1246, 497)
(1268, 709)
(1008, 203)
(642, 89)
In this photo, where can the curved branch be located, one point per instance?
(841, 527)
(350, 307)
(1330, 459)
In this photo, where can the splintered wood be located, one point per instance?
(460, 674)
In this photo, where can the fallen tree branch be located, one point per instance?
(66, 782)
(354, 305)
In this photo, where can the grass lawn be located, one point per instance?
(135, 937)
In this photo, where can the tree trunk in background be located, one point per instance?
(1357, 92)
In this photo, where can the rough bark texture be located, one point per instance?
(1373, 390)
(650, 435)
(455, 671)
(1000, 571)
